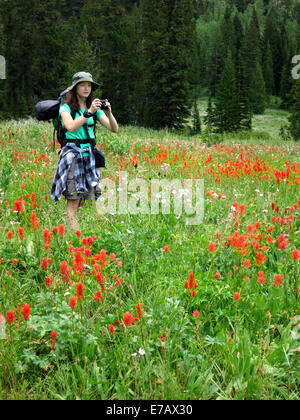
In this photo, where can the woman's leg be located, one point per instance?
(72, 207)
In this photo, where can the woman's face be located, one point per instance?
(83, 90)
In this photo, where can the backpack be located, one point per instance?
(49, 110)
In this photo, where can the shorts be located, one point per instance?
(70, 192)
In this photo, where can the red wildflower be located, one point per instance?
(49, 280)
(128, 319)
(111, 328)
(9, 234)
(73, 302)
(261, 278)
(53, 339)
(79, 290)
(10, 316)
(246, 263)
(64, 271)
(236, 296)
(112, 256)
(166, 248)
(139, 310)
(21, 232)
(163, 337)
(61, 230)
(212, 247)
(295, 254)
(196, 313)
(278, 280)
(217, 275)
(26, 311)
(78, 233)
(97, 295)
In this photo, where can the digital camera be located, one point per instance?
(103, 104)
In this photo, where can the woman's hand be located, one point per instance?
(96, 104)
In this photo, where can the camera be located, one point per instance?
(103, 104)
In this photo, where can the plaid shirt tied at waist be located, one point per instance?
(86, 175)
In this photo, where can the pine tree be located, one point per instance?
(196, 129)
(243, 106)
(82, 58)
(257, 92)
(268, 72)
(294, 117)
(224, 109)
(251, 48)
(272, 36)
(168, 33)
(209, 117)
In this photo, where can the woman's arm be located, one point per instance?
(108, 120)
(70, 124)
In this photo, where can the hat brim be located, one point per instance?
(94, 84)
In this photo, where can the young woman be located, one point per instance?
(76, 176)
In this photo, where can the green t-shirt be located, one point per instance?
(80, 133)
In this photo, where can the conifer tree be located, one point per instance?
(268, 72)
(168, 33)
(196, 119)
(224, 109)
(257, 91)
(294, 117)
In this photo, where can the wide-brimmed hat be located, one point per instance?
(83, 76)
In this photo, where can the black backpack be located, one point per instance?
(49, 110)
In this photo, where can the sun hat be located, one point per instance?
(83, 76)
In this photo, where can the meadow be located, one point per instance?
(144, 306)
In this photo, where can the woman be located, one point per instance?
(76, 176)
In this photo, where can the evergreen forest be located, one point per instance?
(155, 58)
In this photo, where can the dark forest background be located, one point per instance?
(154, 58)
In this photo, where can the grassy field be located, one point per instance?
(145, 306)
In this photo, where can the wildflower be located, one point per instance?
(278, 280)
(49, 280)
(21, 232)
(236, 296)
(217, 275)
(212, 247)
(45, 262)
(191, 284)
(128, 319)
(10, 316)
(26, 311)
(53, 339)
(163, 337)
(295, 254)
(246, 263)
(111, 328)
(9, 234)
(78, 233)
(196, 313)
(79, 290)
(72, 302)
(142, 352)
(139, 310)
(112, 256)
(64, 271)
(97, 295)
(166, 248)
(61, 230)
(261, 278)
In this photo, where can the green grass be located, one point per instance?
(233, 349)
